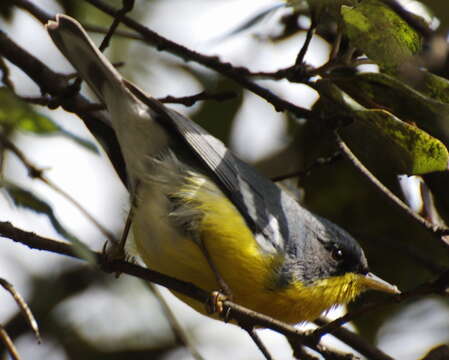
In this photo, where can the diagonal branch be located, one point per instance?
(24, 308)
(7, 341)
(434, 229)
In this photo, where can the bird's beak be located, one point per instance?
(373, 282)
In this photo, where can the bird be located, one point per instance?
(204, 216)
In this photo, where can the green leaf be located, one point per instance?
(412, 150)
(380, 33)
(427, 108)
(377, 136)
(26, 199)
(16, 114)
(436, 87)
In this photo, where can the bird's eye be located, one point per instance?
(337, 254)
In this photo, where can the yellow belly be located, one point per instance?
(230, 244)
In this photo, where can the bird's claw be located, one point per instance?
(113, 251)
(215, 305)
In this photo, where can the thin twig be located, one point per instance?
(276, 75)
(353, 340)
(258, 341)
(118, 32)
(337, 43)
(435, 230)
(302, 173)
(74, 89)
(300, 352)
(24, 308)
(126, 8)
(203, 95)
(183, 100)
(307, 71)
(302, 53)
(9, 344)
(176, 327)
(338, 355)
(36, 173)
(47, 101)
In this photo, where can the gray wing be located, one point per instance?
(270, 212)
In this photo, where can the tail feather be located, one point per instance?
(91, 64)
(140, 135)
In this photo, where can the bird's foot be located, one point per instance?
(216, 305)
(114, 251)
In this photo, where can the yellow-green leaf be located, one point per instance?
(436, 87)
(427, 108)
(377, 135)
(16, 114)
(380, 33)
(410, 150)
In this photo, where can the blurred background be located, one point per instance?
(84, 314)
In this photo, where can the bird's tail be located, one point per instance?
(139, 133)
(91, 64)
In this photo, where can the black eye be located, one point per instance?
(337, 254)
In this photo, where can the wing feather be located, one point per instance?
(258, 199)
